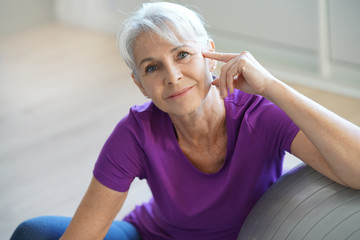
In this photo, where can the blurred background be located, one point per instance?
(63, 85)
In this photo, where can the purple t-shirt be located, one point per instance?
(187, 203)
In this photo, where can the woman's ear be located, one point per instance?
(139, 85)
(211, 48)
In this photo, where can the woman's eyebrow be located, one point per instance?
(180, 46)
(149, 59)
(146, 60)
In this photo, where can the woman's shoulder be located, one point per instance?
(243, 100)
(250, 107)
(147, 111)
(139, 122)
(148, 106)
(142, 116)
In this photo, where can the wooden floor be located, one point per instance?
(62, 90)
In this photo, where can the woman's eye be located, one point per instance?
(183, 55)
(150, 69)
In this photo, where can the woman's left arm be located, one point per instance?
(326, 142)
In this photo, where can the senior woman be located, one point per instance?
(208, 147)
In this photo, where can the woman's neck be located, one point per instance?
(204, 125)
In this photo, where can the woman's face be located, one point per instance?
(176, 78)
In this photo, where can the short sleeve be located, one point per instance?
(273, 126)
(121, 157)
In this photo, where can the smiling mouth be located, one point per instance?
(180, 93)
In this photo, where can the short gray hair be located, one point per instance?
(160, 18)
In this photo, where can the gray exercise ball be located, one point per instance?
(304, 204)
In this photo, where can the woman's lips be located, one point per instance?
(180, 93)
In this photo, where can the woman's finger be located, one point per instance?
(222, 81)
(233, 73)
(223, 57)
(226, 79)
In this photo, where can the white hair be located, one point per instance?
(161, 18)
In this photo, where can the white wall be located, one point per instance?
(18, 15)
(284, 35)
(345, 30)
(104, 15)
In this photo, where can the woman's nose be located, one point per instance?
(174, 75)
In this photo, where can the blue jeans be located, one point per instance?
(52, 227)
